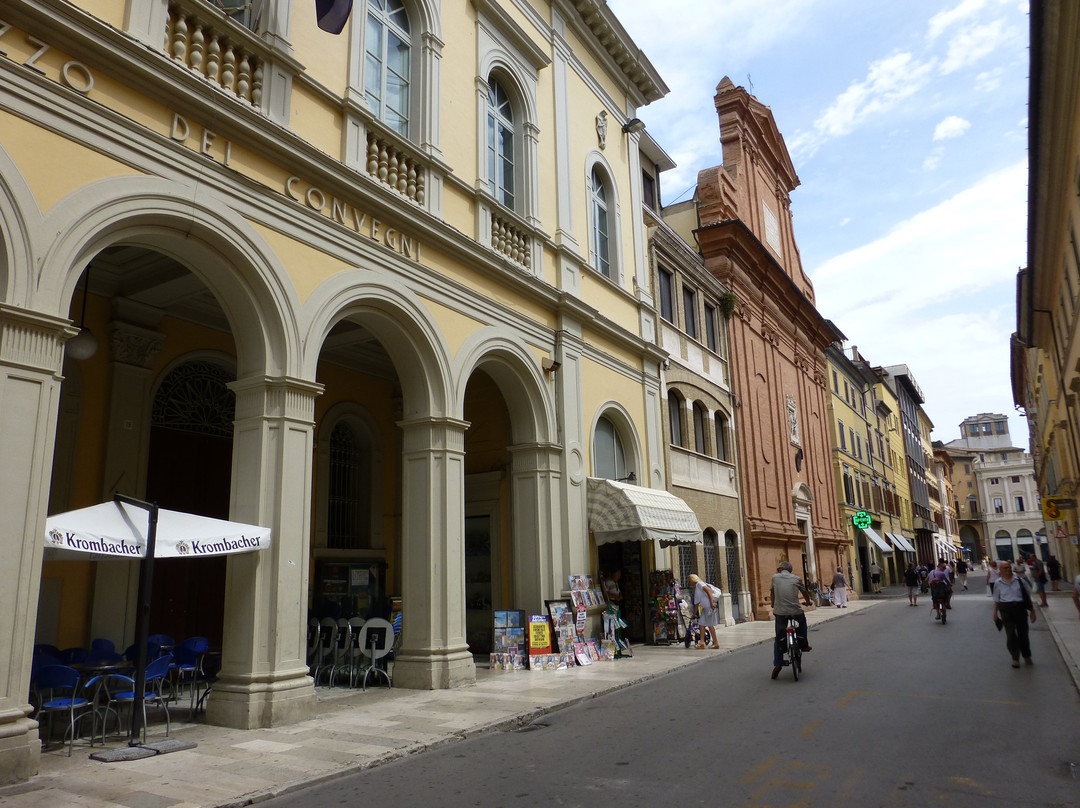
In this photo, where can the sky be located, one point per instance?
(907, 126)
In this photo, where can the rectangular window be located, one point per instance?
(999, 427)
(1014, 479)
(858, 447)
(847, 391)
(851, 432)
(835, 383)
(1019, 503)
(843, 440)
(712, 341)
(689, 300)
(999, 506)
(986, 429)
(666, 283)
(648, 190)
(995, 481)
(973, 430)
(1005, 456)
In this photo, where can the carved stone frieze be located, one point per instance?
(131, 345)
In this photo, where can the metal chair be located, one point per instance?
(58, 691)
(157, 675)
(313, 645)
(356, 654)
(342, 643)
(327, 636)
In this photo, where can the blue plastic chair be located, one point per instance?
(58, 692)
(157, 675)
(102, 647)
(188, 658)
(73, 656)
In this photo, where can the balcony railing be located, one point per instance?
(510, 240)
(207, 43)
(391, 166)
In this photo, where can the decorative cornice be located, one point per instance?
(33, 341)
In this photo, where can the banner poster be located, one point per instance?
(539, 634)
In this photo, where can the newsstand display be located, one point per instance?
(664, 597)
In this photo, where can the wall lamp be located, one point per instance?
(84, 344)
(550, 365)
(633, 126)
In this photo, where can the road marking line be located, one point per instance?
(811, 728)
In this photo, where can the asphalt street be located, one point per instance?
(893, 709)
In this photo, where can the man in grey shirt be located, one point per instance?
(785, 604)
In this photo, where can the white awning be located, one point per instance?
(623, 512)
(901, 542)
(876, 539)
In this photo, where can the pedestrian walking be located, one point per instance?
(875, 576)
(993, 575)
(1038, 574)
(1053, 567)
(839, 589)
(707, 598)
(912, 581)
(962, 573)
(1012, 610)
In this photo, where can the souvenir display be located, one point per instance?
(664, 599)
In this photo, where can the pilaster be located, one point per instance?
(31, 353)
(434, 654)
(264, 677)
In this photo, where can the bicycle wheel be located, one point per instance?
(795, 653)
(944, 612)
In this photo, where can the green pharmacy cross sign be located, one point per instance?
(861, 520)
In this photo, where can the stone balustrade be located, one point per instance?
(202, 39)
(507, 238)
(391, 166)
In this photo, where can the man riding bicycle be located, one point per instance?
(940, 588)
(785, 605)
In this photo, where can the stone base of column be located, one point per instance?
(439, 670)
(20, 751)
(242, 702)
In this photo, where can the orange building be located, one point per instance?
(778, 342)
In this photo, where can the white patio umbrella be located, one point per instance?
(130, 528)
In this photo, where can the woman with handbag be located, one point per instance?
(707, 598)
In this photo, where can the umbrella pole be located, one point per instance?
(142, 617)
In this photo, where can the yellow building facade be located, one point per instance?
(384, 292)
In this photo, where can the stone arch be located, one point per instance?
(403, 325)
(195, 227)
(19, 221)
(513, 368)
(802, 494)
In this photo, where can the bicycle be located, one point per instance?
(823, 596)
(793, 651)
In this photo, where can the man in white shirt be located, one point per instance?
(1012, 604)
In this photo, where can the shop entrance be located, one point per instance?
(627, 556)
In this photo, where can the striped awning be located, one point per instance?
(901, 542)
(623, 512)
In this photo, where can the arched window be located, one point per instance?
(502, 150)
(387, 61)
(720, 423)
(699, 428)
(601, 223)
(674, 404)
(609, 459)
(347, 521)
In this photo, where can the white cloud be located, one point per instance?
(943, 19)
(989, 81)
(952, 126)
(934, 158)
(937, 287)
(888, 82)
(845, 221)
(972, 44)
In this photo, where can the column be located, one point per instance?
(31, 352)
(264, 676)
(434, 654)
(539, 567)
